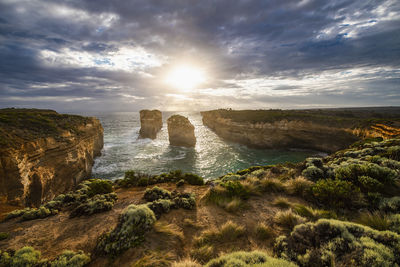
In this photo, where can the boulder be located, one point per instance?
(181, 131)
(150, 123)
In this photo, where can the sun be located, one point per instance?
(185, 77)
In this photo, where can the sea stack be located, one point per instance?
(181, 131)
(150, 123)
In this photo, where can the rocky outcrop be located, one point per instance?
(150, 123)
(297, 132)
(181, 131)
(38, 165)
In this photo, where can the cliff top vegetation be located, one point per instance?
(20, 125)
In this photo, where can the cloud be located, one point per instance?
(114, 54)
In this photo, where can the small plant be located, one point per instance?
(154, 259)
(375, 220)
(71, 259)
(180, 183)
(313, 173)
(98, 186)
(193, 179)
(254, 258)
(171, 230)
(186, 263)
(26, 256)
(203, 254)
(263, 231)
(160, 206)
(228, 232)
(288, 219)
(313, 214)
(271, 185)
(390, 205)
(99, 203)
(134, 221)
(282, 203)
(156, 193)
(299, 186)
(4, 236)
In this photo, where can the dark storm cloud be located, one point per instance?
(70, 51)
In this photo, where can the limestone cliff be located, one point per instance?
(43, 153)
(315, 130)
(181, 131)
(150, 123)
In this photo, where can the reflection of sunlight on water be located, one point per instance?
(210, 158)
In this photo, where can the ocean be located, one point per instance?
(210, 158)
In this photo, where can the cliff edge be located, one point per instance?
(325, 130)
(43, 153)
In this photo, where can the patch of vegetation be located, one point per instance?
(313, 214)
(171, 230)
(228, 195)
(156, 193)
(271, 185)
(204, 253)
(337, 193)
(4, 236)
(299, 186)
(254, 258)
(390, 205)
(282, 202)
(263, 231)
(375, 220)
(71, 259)
(337, 243)
(161, 206)
(228, 232)
(288, 219)
(134, 221)
(154, 259)
(98, 186)
(180, 183)
(133, 178)
(186, 263)
(99, 203)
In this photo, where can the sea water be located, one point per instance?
(210, 158)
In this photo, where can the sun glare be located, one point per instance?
(185, 77)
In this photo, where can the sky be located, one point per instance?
(103, 55)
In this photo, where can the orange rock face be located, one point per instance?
(181, 131)
(150, 123)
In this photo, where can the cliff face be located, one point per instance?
(181, 131)
(44, 165)
(150, 123)
(290, 133)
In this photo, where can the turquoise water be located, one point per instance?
(210, 158)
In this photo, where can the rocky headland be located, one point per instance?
(322, 130)
(181, 131)
(44, 154)
(150, 123)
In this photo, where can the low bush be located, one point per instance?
(313, 173)
(71, 259)
(254, 258)
(185, 201)
(99, 203)
(336, 193)
(204, 253)
(193, 179)
(180, 183)
(263, 231)
(160, 206)
(156, 193)
(98, 186)
(228, 232)
(288, 219)
(133, 178)
(4, 236)
(39, 213)
(337, 243)
(395, 223)
(134, 221)
(390, 205)
(26, 256)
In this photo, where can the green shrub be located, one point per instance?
(235, 189)
(4, 236)
(337, 193)
(317, 162)
(231, 177)
(185, 201)
(254, 258)
(24, 257)
(160, 206)
(156, 193)
(260, 173)
(16, 213)
(98, 186)
(288, 219)
(39, 213)
(193, 179)
(390, 205)
(71, 259)
(249, 170)
(180, 183)
(393, 153)
(134, 221)
(395, 223)
(313, 214)
(313, 173)
(99, 203)
(337, 243)
(263, 231)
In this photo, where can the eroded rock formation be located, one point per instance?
(181, 131)
(293, 129)
(150, 123)
(50, 156)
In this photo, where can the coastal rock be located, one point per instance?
(181, 131)
(150, 123)
(293, 129)
(37, 164)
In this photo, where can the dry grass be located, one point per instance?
(299, 186)
(204, 253)
(155, 258)
(288, 219)
(170, 230)
(190, 223)
(282, 202)
(263, 231)
(186, 263)
(271, 185)
(375, 220)
(228, 232)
